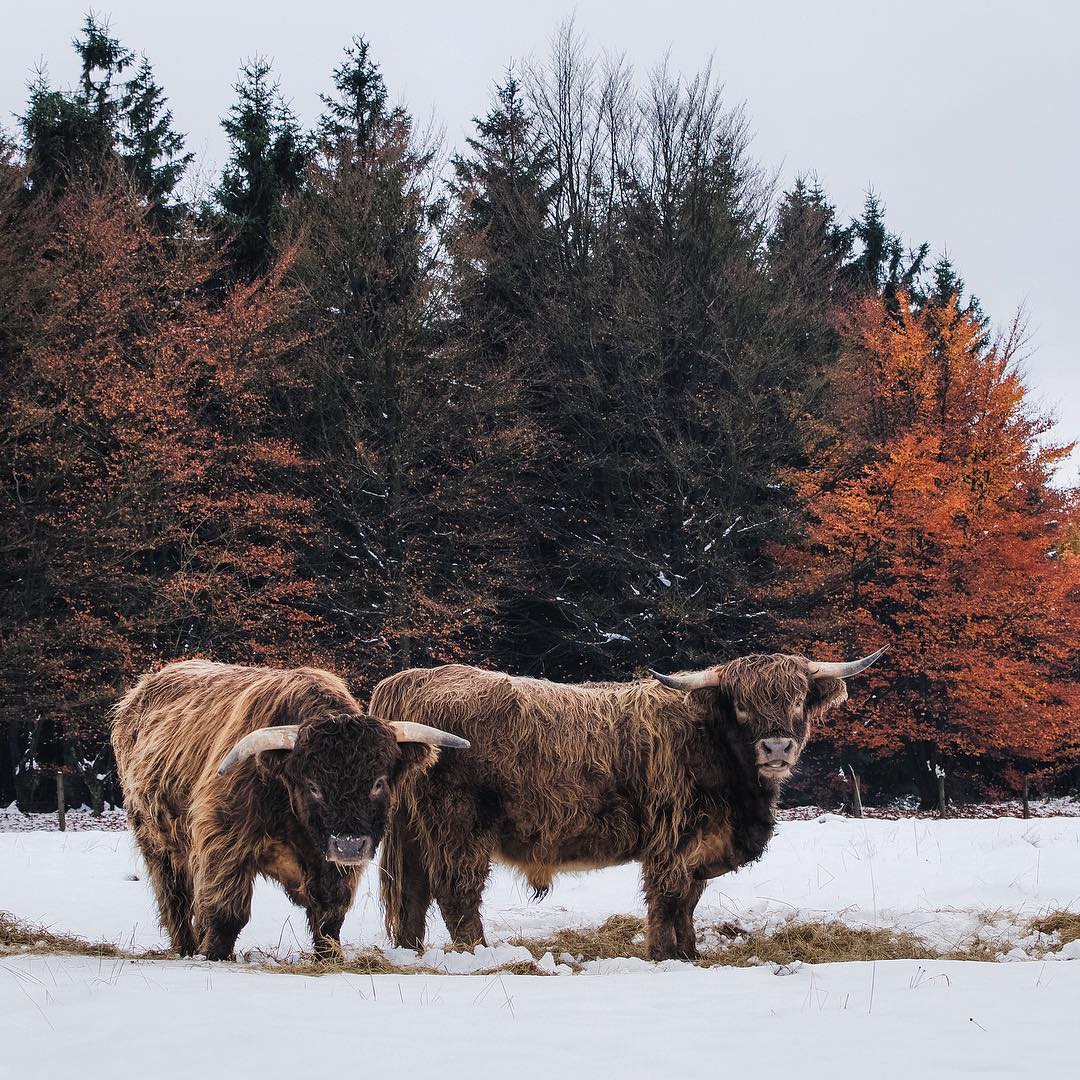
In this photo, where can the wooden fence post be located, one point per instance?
(856, 795)
(60, 808)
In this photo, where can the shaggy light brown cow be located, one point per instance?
(229, 772)
(680, 773)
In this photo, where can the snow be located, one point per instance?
(941, 879)
(185, 1020)
(946, 880)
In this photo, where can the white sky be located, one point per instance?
(961, 114)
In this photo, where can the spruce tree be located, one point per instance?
(107, 120)
(500, 236)
(357, 110)
(150, 148)
(883, 264)
(267, 158)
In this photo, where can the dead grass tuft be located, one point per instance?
(17, 936)
(1065, 924)
(366, 962)
(518, 967)
(818, 943)
(621, 935)
(797, 942)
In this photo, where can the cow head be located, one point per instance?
(773, 700)
(339, 772)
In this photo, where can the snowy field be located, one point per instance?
(947, 881)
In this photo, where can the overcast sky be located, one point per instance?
(961, 115)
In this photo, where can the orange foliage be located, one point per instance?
(935, 528)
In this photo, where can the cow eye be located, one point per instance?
(315, 792)
(379, 788)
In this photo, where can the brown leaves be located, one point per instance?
(159, 509)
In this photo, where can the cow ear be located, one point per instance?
(270, 764)
(825, 693)
(413, 758)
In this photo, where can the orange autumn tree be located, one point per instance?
(935, 528)
(154, 510)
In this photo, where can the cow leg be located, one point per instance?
(461, 913)
(329, 901)
(415, 894)
(172, 888)
(460, 846)
(667, 897)
(685, 935)
(459, 889)
(222, 906)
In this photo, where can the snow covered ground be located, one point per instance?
(945, 880)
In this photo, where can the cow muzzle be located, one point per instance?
(776, 758)
(350, 850)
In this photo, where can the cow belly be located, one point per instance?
(541, 873)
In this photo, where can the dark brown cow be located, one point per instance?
(680, 773)
(229, 772)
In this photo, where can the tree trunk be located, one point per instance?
(1024, 799)
(61, 816)
(25, 775)
(856, 796)
(942, 805)
(923, 757)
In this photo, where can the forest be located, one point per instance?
(585, 395)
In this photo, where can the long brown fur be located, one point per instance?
(204, 837)
(567, 777)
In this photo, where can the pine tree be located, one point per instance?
(107, 120)
(148, 504)
(357, 111)
(883, 266)
(806, 254)
(267, 159)
(103, 60)
(150, 148)
(499, 236)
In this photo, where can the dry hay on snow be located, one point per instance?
(619, 937)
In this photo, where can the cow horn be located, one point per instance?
(270, 738)
(693, 680)
(406, 731)
(826, 670)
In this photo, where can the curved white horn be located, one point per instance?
(405, 731)
(270, 738)
(692, 680)
(821, 669)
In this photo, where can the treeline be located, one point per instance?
(586, 396)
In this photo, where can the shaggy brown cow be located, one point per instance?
(229, 772)
(680, 773)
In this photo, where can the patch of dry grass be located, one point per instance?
(1064, 924)
(831, 942)
(818, 943)
(618, 937)
(621, 935)
(366, 962)
(17, 936)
